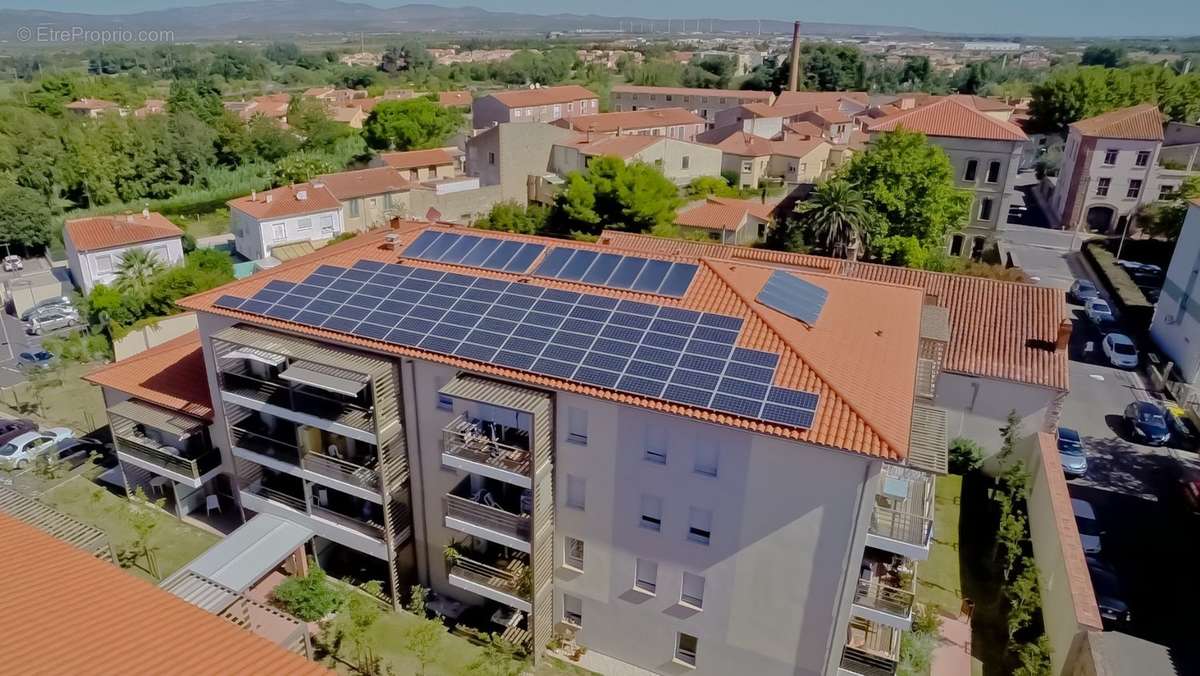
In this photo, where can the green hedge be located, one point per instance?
(1129, 299)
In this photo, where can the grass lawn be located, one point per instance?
(73, 402)
(205, 224)
(177, 542)
(939, 581)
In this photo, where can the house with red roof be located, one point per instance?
(307, 214)
(706, 103)
(785, 156)
(669, 122)
(535, 104)
(96, 244)
(680, 161)
(94, 107)
(728, 220)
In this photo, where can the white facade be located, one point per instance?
(254, 238)
(89, 268)
(1176, 325)
(977, 407)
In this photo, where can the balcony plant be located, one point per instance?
(451, 553)
(525, 582)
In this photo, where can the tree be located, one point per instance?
(1033, 658)
(269, 141)
(1107, 56)
(703, 186)
(634, 197)
(1023, 598)
(358, 613)
(498, 658)
(421, 640)
(24, 217)
(137, 268)
(832, 68)
(404, 57)
(835, 217)
(509, 216)
(143, 521)
(416, 600)
(713, 72)
(310, 597)
(1075, 93)
(301, 167)
(410, 124)
(283, 53)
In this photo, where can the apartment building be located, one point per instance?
(306, 214)
(985, 153)
(537, 104)
(830, 122)
(616, 449)
(704, 102)
(1177, 313)
(96, 244)
(680, 161)
(674, 123)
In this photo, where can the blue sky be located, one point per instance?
(1031, 17)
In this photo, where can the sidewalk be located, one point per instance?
(952, 656)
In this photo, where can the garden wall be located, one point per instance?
(140, 340)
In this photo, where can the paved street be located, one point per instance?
(13, 339)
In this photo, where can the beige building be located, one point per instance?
(675, 123)
(789, 158)
(704, 102)
(370, 197)
(727, 220)
(536, 104)
(423, 165)
(678, 160)
(517, 158)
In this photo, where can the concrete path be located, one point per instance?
(952, 656)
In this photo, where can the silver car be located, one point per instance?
(45, 305)
(52, 320)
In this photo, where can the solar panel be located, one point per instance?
(794, 297)
(480, 253)
(616, 271)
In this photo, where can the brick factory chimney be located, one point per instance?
(794, 72)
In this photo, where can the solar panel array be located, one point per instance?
(491, 253)
(677, 355)
(616, 271)
(793, 297)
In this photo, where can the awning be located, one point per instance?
(307, 374)
(250, 552)
(287, 252)
(268, 358)
(927, 442)
(159, 418)
(496, 393)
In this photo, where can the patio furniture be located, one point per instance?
(158, 483)
(212, 503)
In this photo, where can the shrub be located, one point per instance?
(310, 597)
(79, 347)
(1130, 300)
(966, 456)
(1034, 658)
(916, 653)
(927, 619)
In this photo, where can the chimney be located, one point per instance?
(301, 195)
(253, 195)
(268, 198)
(794, 72)
(1064, 336)
(146, 213)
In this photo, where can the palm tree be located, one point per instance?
(138, 267)
(835, 217)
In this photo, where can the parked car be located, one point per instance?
(25, 448)
(57, 301)
(1089, 527)
(39, 359)
(13, 262)
(1083, 290)
(1098, 312)
(1071, 453)
(1147, 423)
(10, 429)
(1120, 351)
(76, 451)
(1106, 584)
(52, 320)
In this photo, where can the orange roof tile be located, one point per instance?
(865, 402)
(290, 200)
(105, 232)
(412, 159)
(542, 96)
(452, 99)
(623, 147)
(739, 94)
(805, 128)
(170, 375)
(67, 612)
(1001, 330)
(362, 182)
(731, 139)
(631, 120)
(724, 213)
(950, 117)
(1138, 123)
(820, 99)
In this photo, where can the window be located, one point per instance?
(646, 576)
(985, 209)
(491, 158)
(692, 593)
(699, 525)
(1143, 158)
(1165, 191)
(685, 649)
(571, 106)
(278, 232)
(656, 445)
(956, 245)
(573, 553)
(387, 201)
(651, 512)
(993, 174)
(706, 457)
(572, 610)
(1110, 157)
(669, 98)
(685, 162)
(303, 225)
(104, 264)
(747, 165)
(327, 225)
(1135, 188)
(972, 167)
(577, 425)
(355, 206)
(1102, 187)
(445, 402)
(576, 492)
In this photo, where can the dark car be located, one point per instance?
(11, 429)
(1082, 291)
(75, 452)
(1147, 423)
(1113, 609)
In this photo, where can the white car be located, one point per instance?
(13, 262)
(24, 449)
(1098, 312)
(1121, 351)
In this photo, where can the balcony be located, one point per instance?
(871, 649)
(902, 521)
(496, 574)
(348, 511)
(491, 511)
(163, 442)
(191, 467)
(886, 589)
(272, 393)
(487, 449)
(329, 514)
(256, 438)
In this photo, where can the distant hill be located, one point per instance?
(298, 17)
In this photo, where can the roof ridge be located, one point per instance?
(752, 305)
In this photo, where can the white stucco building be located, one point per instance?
(262, 221)
(96, 244)
(1176, 325)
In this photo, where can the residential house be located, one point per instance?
(830, 122)
(728, 220)
(680, 161)
(370, 198)
(789, 158)
(1176, 323)
(517, 158)
(507, 456)
(850, 103)
(94, 108)
(422, 165)
(537, 104)
(333, 95)
(1181, 147)
(460, 98)
(151, 107)
(351, 116)
(272, 106)
(669, 122)
(704, 102)
(985, 154)
(96, 244)
(306, 214)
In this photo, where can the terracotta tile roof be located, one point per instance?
(346, 114)
(980, 103)
(739, 94)
(347, 185)
(1000, 330)
(805, 128)
(796, 146)
(91, 104)
(623, 147)
(950, 117)
(290, 200)
(105, 232)
(366, 105)
(820, 99)
(827, 115)
(542, 96)
(170, 375)
(1139, 123)
(630, 120)
(860, 358)
(724, 213)
(413, 159)
(113, 622)
(731, 139)
(459, 98)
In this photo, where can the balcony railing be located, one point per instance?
(904, 508)
(286, 396)
(286, 499)
(864, 663)
(336, 468)
(902, 526)
(167, 457)
(465, 509)
(264, 445)
(368, 529)
(508, 580)
(462, 439)
(872, 594)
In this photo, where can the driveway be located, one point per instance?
(1024, 209)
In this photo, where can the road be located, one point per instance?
(13, 339)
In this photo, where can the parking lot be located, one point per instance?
(13, 338)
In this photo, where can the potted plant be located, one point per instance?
(452, 554)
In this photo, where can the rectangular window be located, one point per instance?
(1143, 158)
(387, 201)
(1102, 187)
(1110, 157)
(445, 403)
(656, 445)
(646, 578)
(651, 512)
(706, 457)
(1135, 188)
(577, 425)
(685, 649)
(699, 525)
(669, 97)
(985, 209)
(993, 174)
(576, 492)
(972, 168)
(278, 232)
(572, 610)
(327, 226)
(1165, 191)
(692, 593)
(304, 225)
(746, 166)
(104, 264)
(573, 553)
(683, 164)
(491, 158)
(355, 206)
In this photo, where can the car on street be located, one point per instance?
(1113, 609)
(1120, 351)
(52, 320)
(39, 359)
(13, 262)
(1089, 527)
(25, 448)
(1146, 422)
(1098, 312)
(1083, 290)
(10, 429)
(45, 304)
(1184, 435)
(1071, 453)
